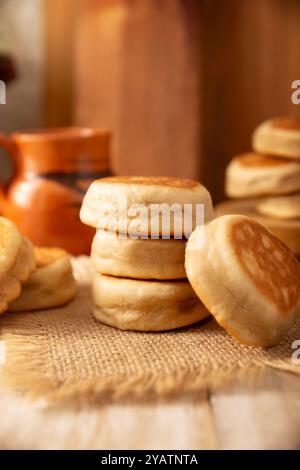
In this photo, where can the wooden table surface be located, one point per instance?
(265, 415)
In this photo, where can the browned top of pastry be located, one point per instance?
(45, 256)
(151, 181)
(252, 159)
(268, 263)
(289, 123)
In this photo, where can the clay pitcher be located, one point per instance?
(52, 171)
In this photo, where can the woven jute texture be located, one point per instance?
(64, 353)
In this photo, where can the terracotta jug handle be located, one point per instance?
(6, 144)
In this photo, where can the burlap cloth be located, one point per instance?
(63, 353)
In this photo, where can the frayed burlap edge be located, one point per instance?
(26, 371)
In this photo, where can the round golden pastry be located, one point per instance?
(51, 285)
(246, 277)
(283, 207)
(279, 136)
(17, 262)
(288, 230)
(135, 205)
(131, 304)
(252, 174)
(138, 259)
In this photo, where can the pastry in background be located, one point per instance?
(246, 277)
(283, 207)
(279, 136)
(139, 259)
(17, 262)
(252, 174)
(287, 230)
(273, 171)
(51, 285)
(131, 304)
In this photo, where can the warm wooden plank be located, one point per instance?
(183, 84)
(60, 24)
(265, 415)
(137, 69)
(171, 425)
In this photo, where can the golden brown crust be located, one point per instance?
(51, 285)
(287, 230)
(152, 181)
(137, 204)
(24, 265)
(259, 251)
(286, 122)
(10, 243)
(253, 159)
(254, 174)
(45, 256)
(246, 278)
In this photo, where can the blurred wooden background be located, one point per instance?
(249, 58)
(182, 83)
